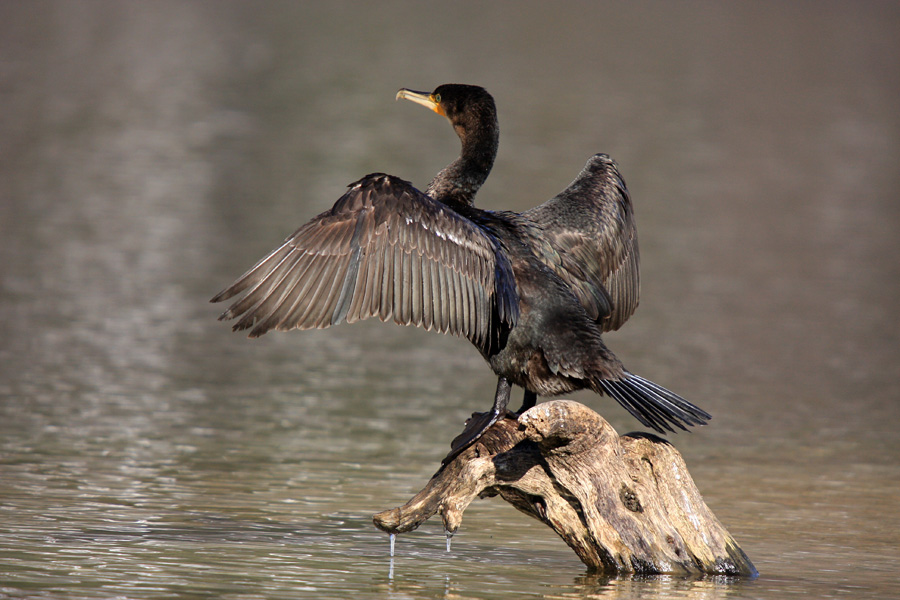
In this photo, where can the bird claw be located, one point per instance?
(476, 426)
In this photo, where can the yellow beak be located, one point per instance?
(426, 99)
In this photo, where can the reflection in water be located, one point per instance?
(148, 150)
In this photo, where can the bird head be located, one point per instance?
(471, 111)
(469, 108)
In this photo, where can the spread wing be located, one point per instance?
(385, 249)
(590, 225)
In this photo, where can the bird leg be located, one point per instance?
(480, 422)
(528, 401)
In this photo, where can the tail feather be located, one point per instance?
(686, 411)
(643, 411)
(653, 405)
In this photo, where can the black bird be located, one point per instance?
(533, 291)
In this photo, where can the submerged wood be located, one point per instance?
(623, 504)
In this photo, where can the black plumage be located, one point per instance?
(533, 291)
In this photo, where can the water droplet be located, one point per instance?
(449, 537)
(393, 539)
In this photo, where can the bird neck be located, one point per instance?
(458, 182)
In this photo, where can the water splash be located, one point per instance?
(449, 537)
(393, 539)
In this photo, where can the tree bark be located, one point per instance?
(623, 504)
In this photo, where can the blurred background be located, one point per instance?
(151, 152)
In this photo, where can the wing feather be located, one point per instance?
(415, 294)
(361, 285)
(590, 240)
(426, 293)
(263, 286)
(290, 301)
(384, 250)
(265, 298)
(445, 299)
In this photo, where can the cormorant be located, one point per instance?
(533, 291)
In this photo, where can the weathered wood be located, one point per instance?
(623, 504)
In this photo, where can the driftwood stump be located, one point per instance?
(623, 504)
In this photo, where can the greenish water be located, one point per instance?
(150, 152)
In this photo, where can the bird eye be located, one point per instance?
(437, 98)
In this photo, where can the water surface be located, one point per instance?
(150, 152)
